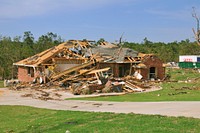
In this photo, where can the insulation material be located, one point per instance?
(137, 75)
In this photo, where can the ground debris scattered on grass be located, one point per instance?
(71, 122)
(177, 93)
(184, 88)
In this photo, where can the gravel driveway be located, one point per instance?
(187, 109)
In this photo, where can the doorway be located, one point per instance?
(152, 73)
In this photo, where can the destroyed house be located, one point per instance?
(125, 61)
(52, 62)
(74, 59)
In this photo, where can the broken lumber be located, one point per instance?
(76, 68)
(74, 76)
(133, 87)
(99, 70)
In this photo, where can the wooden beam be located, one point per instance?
(99, 70)
(67, 50)
(133, 87)
(97, 76)
(74, 76)
(130, 59)
(76, 68)
(130, 71)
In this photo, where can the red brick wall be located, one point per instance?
(23, 74)
(153, 61)
(149, 62)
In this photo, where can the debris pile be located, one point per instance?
(84, 68)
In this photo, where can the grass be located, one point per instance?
(182, 74)
(1, 84)
(21, 119)
(172, 91)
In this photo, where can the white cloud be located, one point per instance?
(23, 8)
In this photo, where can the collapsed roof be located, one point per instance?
(48, 54)
(115, 54)
(77, 49)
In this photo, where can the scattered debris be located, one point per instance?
(133, 87)
(74, 106)
(9, 83)
(27, 95)
(183, 88)
(67, 131)
(42, 94)
(97, 104)
(71, 122)
(83, 68)
(178, 93)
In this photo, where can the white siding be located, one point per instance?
(188, 58)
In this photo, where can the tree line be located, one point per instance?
(21, 47)
(168, 52)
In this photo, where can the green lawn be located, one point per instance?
(182, 74)
(20, 119)
(172, 91)
(1, 84)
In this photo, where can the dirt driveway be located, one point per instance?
(187, 109)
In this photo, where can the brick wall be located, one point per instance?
(23, 75)
(153, 61)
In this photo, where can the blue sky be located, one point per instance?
(158, 20)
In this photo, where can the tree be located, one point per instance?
(18, 48)
(197, 32)
(17, 39)
(47, 41)
(28, 38)
(146, 41)
(100, 41)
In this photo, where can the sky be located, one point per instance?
(157, 20)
